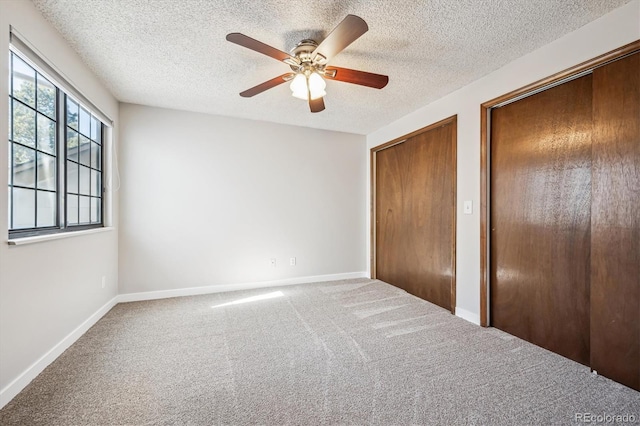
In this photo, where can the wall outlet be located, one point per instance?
(104, 281)
(292, 261)
(273, 262)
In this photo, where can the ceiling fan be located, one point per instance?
(308, 62)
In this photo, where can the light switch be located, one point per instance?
(468, 207)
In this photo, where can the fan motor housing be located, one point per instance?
(304, 49)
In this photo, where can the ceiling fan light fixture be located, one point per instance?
(303, 87)
(299, 87)
(316, 86)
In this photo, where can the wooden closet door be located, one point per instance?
(615, 222)
(540, 218)
(415, 202)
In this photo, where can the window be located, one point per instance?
(55, 157)
(83, 134)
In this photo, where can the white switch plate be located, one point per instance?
(273, 262)
(292, 261)
(468, 207)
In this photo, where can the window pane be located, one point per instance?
(24, 172)
(46, 134)
(47, 176)
(9, 162)
(24, 82)
(10, 120)
(46, 97)
(72, 145)
(94, 128)
(95, 156)
(24, 205)
(72, 209)
(72, 177)
(46, 208)
(46, 172)
(84, 210)
(72, 113)
(9, 208)
(85, 181)
(95, 210)
(85, 124)
(84, 151)
(24, 124)
(98, 137)
(95, 183)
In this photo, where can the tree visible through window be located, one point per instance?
(44, 141)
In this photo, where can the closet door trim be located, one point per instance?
(485, 129)
(450, 120)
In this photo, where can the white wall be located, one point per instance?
(209, 200)
(47, 289)
(613, 30)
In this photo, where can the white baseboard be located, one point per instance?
(469, 316)
(193, 291)
(16, 386)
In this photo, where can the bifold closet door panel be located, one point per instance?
(415, 198)
(615, 221)
(540, 218)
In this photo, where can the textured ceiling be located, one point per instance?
(174, 54)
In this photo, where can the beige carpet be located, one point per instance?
(348, 352)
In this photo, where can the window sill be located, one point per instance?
(58, 236)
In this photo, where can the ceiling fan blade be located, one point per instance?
(269, 84)
(316, 105)
(343, 35)
(377, 81)
(259, 47)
